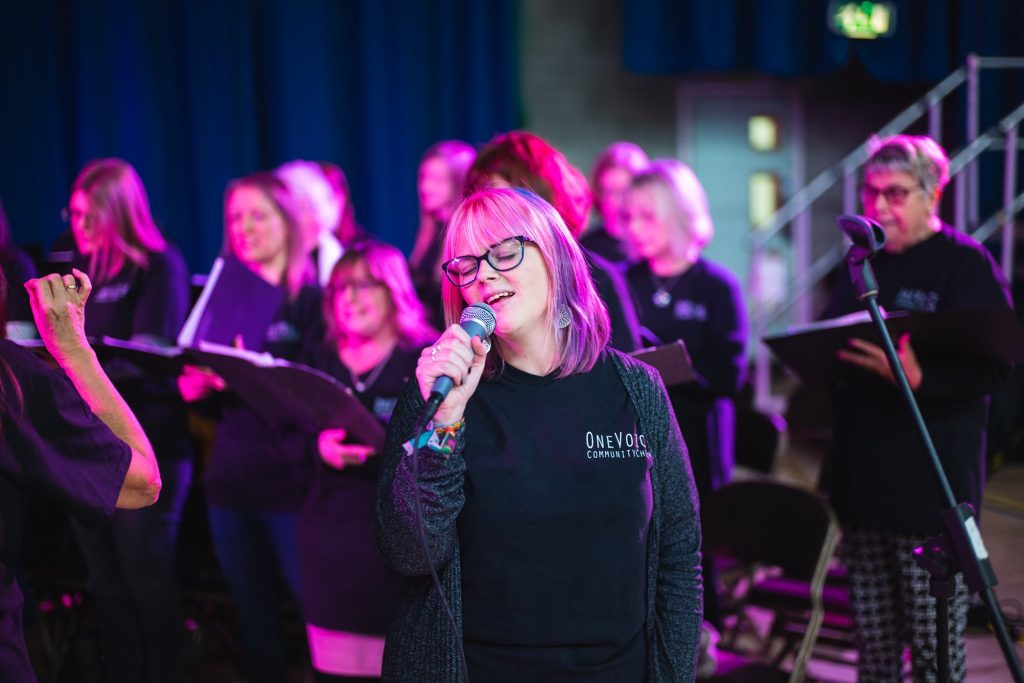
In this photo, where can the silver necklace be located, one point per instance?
(662, 296)
(360, 385)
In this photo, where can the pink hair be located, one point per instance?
(490, 216)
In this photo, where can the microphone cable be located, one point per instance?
(422, 533)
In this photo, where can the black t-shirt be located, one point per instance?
(611, 287)
(51, 445)
(705, 310)
(553, 532)
(141, 301)
(257, 465)
(18, 270)
(346, 584)
(150, 302)
(599, 242)
(881, 478)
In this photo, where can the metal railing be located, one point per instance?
(963, 170)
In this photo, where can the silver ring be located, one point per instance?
(71, 287)
(433, 354)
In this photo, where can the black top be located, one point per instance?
(18, 270)
(553, 532)
(426, 278)
(53, 446)
(705, 309)
(256, 465)
(346, 585)
(612, 288)
(141, 301)
(151, 302)
(881, 477)
(599, 242)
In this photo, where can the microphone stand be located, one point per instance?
(959, 548)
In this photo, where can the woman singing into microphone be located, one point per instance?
(559, 507)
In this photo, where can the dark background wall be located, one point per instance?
(196, 93)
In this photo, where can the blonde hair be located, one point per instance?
(493, 215)
(124, 224)
(676, 183)
(298, 267)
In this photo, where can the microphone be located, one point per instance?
(863, 232)
(477, 320)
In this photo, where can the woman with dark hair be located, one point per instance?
(521, 159)
(439, 183)
(140, 294)
(610, 177)
(558, 507)
(18, 269)
(257, 476)
(66, 436)
(881, 485)
(375, 330)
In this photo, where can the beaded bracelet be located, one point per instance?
(438, 439)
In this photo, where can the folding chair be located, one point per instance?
(762, 524)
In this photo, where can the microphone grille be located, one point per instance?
(481, 313)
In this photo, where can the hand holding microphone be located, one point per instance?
(452, 367)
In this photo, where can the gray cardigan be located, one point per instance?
(421, 647)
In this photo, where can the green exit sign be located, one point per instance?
(862, 20)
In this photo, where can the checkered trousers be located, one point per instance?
(893, 610)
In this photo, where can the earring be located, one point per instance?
(564, 317)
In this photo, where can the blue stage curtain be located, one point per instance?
(790, 38)
(196, 93)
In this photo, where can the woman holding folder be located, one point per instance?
(880, 482)
(257, 477)
(140, 293)
(376, 329)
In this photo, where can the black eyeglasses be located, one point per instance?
(505, 255)
(895, 195)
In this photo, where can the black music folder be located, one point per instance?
(670, 360)
(149, 358)
(235, 302)
(984, 333)
(291, 392)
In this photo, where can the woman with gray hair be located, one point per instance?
(881, 484)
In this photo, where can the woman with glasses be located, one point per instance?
(376, 329)
(521, 159)
(140, 293)
(881, 485)
(258, 474)
(558, 506)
